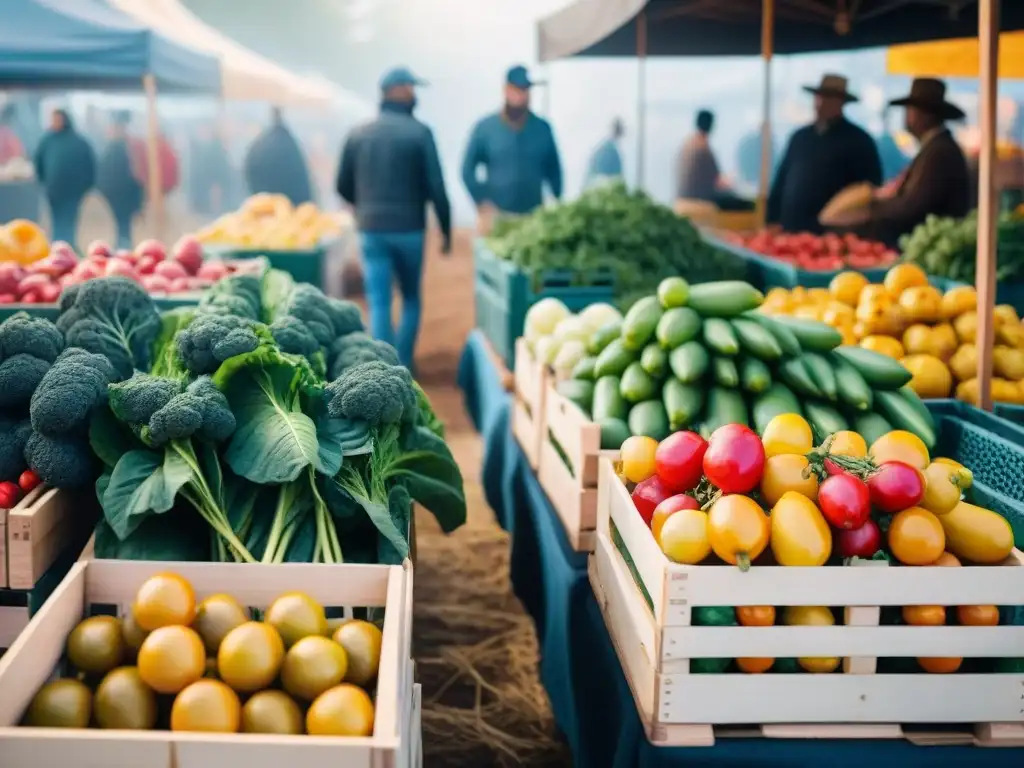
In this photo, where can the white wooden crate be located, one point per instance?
(656, 644)
(32, 659)
(531, 385)
(39, 530)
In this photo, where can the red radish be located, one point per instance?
(99, 248)
(10, 275)
(734, 460)
(152, 248)
(119, 266)
(145, 265)
(180, 285)
(647, 495)
(10, 494)
(213, 270)
(895, 486)
(859, 542)
(171, 270)
(8, 298)
(844, 501)
(679, 460)
(32, 283)
(28, 480)
(29, 298)
(189, 253)
(48, 294)
(156, 283)
(87, 270)
(50, 267)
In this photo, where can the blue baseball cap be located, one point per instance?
(519, 77)
(399, 76)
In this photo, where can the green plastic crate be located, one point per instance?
(504, 293)
(304, 266)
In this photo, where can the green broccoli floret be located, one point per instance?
(201, 410)
(358, 347)
(67, 394)
(61, 462)
(238, 295)
(114, 317)
(226, 304)
(309, 304)
(19, 376)
(13, 436)
(294, 337)
(346, 317)
(22, 334)
(209, 340)
(136, 400)
(374, 392)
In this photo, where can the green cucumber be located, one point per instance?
(654, 360)
(724, 406)
(719, 337)
(580, 392)
(604, 336)
(640, 321)
(812, 335)
(795, 375)
(689, 362)
(786, 338)
(902, 415)
(636, 384)
(584, 369)
(682, 403)
(713, 616)
(779, 399)
(822, 375)
(878, 370)
(918, 405)
(871, 426)
(754, 375)
(677, 326)
(756, 340)
(649, 419)
(725, 372)
(824, 419)
(673, 292)
(725, 298)
(608, 403)
(613, 360)
(854, 392)
(614, 432)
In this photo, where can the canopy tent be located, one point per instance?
(71, 44)
(247, 76)
(955, 58)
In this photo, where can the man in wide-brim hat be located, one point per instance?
(821, 159)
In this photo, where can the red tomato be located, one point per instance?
(647, 495)
(10, 493)
(896, 486)
(844, 501)
(859, 542)
(734, 459)
(28, 480)
(679, 460)
(669, 507)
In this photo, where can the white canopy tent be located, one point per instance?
(581, 24)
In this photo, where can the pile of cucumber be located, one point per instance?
(697, 357)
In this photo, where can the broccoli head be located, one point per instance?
(113, 317)
(374, 392)
(136, 400)
(22, 334)
(61, 462)
(20, 374)
(67, 394)
(294, 337)
(13, 436)
(309, 304)
(209, 340)
(201, 410)
(226, 304)
(358, 347)
(345, 316)
(237, 295)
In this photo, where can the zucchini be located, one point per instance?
(654, 360)
(822, 375)
(754, 375)
(795, 375)
(719, 337)
(878, 370)
(640, 322)
(649, 419)
(689, 362)
(608, 403)
(725, 298)
(584, 369)
(725, 372)
(871, 426)
(613, 360)
(853, 390)
(682, 403)
(604, 336)
(635, 384)
(824, 419)
(724, 406)
(777, 400)
(614, 432)
(677, 326)
(785, 337)
(580, 392)
(756, 340)
(812, 335)
(902, 415)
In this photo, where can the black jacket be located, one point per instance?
(115, 180)
(275, 164)
(390, 170)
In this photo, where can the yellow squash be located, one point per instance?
(812, 616)
(799, 534)
(977, 534)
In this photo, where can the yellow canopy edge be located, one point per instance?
(955, 58)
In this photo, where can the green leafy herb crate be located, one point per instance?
(504, 293)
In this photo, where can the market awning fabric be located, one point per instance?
(733, 27)
(86, 44)
(955, 58)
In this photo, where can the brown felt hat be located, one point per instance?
(832, 85)
(929, 95)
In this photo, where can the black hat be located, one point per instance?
(929, 95)
(832, 85)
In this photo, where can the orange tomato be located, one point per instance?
(916, 537)
(638, 458)
(787, 472)
(947, 559)
(754, 666)
(940, 665)
(978, 615)
(900, 445)
(737, 529)
(755, 615)
(799, 534)
(163, 600)
(924, 615)
(848, 443)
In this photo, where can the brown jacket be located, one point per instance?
(937, 182)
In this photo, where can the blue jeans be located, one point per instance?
(390, 257)
(64, 220)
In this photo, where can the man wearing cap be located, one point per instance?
(517, 151)
(275, 163)
(822, 159)
(116, 180)
(388, 173)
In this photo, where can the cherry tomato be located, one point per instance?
(669, 507)
(844, 501)
(734, 460)
(755, 615)
(859, 542)
(10, 493)
(896, 486)
(647, 495)
(28, 480)
(679, 460)
(638, 458)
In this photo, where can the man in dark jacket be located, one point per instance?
(210, 172)
(66, 168)
(389, 171)
(517, 151)
(820, 160)
(116, 181)
(275, 163)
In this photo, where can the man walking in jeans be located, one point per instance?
(389, 171)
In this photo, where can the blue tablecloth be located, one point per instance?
(579, 669)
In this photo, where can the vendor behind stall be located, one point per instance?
(116, 180)
(822, 159)
(275, 163)
(66, 169)
(606, 162)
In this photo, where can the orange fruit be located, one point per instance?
(900, 445)
(164, 600)
(978, 615)
(940, 665)
(344, 710)
(208, 706)
(924, 615)
(755, 615)
(847, 286)
(171, 658)
(904, 276)
(754, 666)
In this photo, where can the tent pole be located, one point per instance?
(988, 88)
(641, 95)
(154, 182)
(767, 44)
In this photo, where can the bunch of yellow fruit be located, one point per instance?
(270, 221)
(932, 333)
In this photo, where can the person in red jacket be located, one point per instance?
(168, 158)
